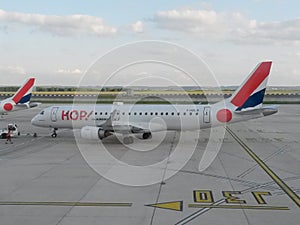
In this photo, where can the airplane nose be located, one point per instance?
(34, 121)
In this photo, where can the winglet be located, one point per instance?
(23, 95)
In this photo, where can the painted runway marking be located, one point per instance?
(96, 204)
(198, 213)
(267, 169)
(239, 207)
(175, 205)
(205, 209)
(274, 154)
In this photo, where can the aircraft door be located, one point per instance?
(54, 114)
(206, 114)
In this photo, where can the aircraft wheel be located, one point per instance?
(54, 134)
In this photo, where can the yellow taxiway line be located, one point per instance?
(97, 204)
(267, 169)
(238, 207)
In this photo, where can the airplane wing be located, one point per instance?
(125, 127)
(136, 128)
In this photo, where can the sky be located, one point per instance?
(57, 41)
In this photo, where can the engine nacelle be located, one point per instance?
(146, 135)
(94, 133)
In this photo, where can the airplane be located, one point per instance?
(20, 100)
(100, 121)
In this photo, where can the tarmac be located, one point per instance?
(255, 179)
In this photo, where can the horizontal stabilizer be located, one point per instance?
(34, 104)
(266, 111)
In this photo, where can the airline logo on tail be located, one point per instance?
(22, 96)
(252, 91)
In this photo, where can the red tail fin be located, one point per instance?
(255, 82)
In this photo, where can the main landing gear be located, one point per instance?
(54, 134)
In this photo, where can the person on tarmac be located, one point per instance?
(8, 137)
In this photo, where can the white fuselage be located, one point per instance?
(170, 117)
(244, 104)
(89, 115)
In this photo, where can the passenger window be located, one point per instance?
(105, 113)
(146, 113)
(197, 114)
(129, 113)
(42, 113)
(151, 113)
(162, 113)
(134, 113)
(100, 113)
(96, 113)
(178, 114)
(191, 114)
(141, 113)
(172, 113)
(123, 113)
(156, 113)
(184, 113)
(166, 113)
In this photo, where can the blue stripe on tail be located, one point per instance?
(253, 100)
(25, 99)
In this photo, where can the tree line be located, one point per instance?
(60, 89)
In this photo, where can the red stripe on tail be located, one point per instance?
(257, 77)
(17, 97)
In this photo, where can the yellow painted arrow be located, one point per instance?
(177, 205)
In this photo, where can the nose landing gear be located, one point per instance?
(54, 134)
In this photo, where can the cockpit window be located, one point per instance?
(42, 113)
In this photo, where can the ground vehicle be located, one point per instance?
(13, 131)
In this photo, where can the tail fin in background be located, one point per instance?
(251, 93)
(23, 95)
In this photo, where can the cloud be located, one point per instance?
(191, 21)
(285, 31)
(235, 27)
(12, 75)
(137, 27)
(60, 25)
(68, 71)
(12, 70)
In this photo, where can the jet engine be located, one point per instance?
(146, 135)
(94, 133)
